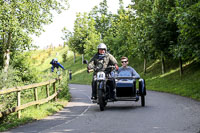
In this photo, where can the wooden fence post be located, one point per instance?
(54, 88)
(36, 95)
(19, 103)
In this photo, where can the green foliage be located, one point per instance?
(148, 29)
(142, 29)
(119, 36)
(101, 17)
(19, 74)
(64, 95)
(64, 56)
(19, 19)
(92, 40)
(80, 34)
(163, 31)
(8, 80)
(187, 17)
(22, 63)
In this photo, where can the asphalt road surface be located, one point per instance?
(163, 113)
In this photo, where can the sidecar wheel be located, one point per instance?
(142, 101)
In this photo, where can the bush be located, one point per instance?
(7, 80)
(19, 73)
(22, 63)
(64, 56)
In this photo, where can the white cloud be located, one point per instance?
(53, 33)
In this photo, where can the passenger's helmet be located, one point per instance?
(102, 46)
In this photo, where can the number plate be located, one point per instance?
(101, 76)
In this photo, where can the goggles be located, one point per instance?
(124, 61)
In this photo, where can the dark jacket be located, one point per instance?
(107, 59)
(56, 64)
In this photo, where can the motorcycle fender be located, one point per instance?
(101, 85)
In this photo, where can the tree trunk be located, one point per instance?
(163, 62)
(74, 57)
(6, 57)
(181, 66)
(145, 62)
(6, 54)
(82, 58)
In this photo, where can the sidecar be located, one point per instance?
(126, 89)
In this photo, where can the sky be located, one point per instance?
(53, 31)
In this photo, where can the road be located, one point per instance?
(163, 113)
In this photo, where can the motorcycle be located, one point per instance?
(125, 87)
(103, 79)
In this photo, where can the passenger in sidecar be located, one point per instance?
(125, 84)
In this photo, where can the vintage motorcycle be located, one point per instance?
(104, 82)
(125, 87)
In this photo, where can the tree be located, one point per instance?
(163, 30)
(117, 37)
(80, 33)
(187, 18)
(19, 19)
(72, 46)
(101, 17)
(67, 35)
(92, 40)
(141, 29)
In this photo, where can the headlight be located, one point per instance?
(99, 66)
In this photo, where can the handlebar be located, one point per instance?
(91, 70)
(96, 68)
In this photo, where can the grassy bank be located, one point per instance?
(188, 85)
(40, 61)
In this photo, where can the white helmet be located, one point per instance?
(55, 59)
(102, 46)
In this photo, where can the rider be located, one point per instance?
(56, 64)
(107, 59)
(125, 70)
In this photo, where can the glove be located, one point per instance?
(88, 70)
(116, 67)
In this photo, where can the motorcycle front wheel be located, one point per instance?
(101, 96)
